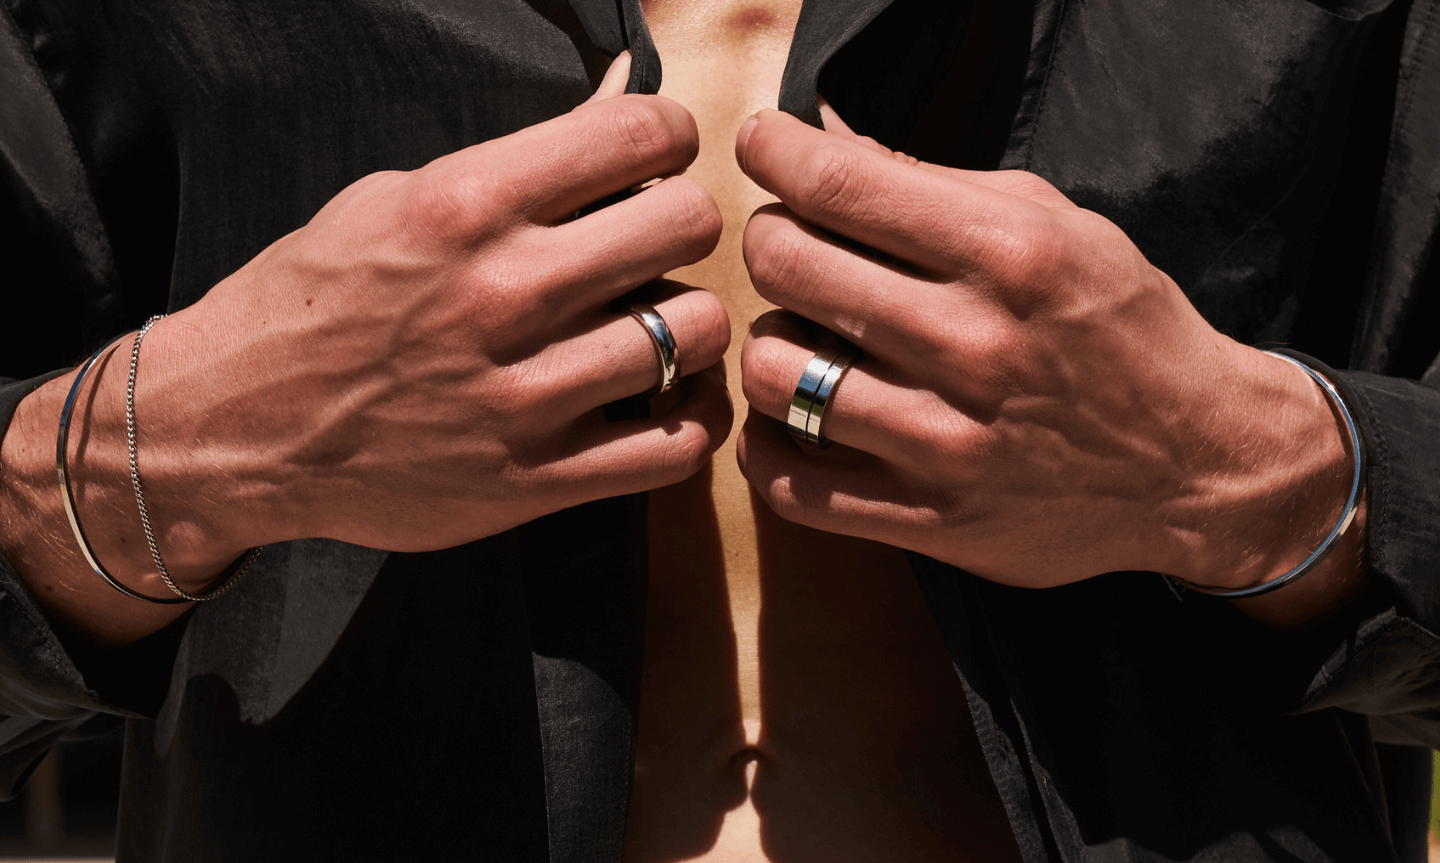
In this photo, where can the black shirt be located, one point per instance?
(1280, 159)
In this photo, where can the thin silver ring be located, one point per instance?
(822, 397)
(798, 417)
(664, 342)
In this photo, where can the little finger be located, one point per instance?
(850, 493)
(614, 458)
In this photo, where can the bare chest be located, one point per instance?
(794, 684)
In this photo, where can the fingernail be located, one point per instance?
(742, 139)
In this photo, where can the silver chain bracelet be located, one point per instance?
(227, 579)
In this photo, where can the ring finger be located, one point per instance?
(871, 408)
(617, 357)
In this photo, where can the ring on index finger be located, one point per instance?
(664, 343)
(813, 394)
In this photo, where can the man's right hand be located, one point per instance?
(423, 364)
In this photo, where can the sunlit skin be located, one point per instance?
(425, 363)
(797, 702)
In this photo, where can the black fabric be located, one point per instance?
(1277, 157)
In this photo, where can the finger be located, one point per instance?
(616, 357)
(615, 458)
(832, 122)
(898, 315)
(590, 261)
(940, 222)
(873, 407)
(545, 173)
(1019, 183)
(610, 146)
(613, 84)
(833, 490)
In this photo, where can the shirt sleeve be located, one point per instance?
(1388, 667)
(50, 224)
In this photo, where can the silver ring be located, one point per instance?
(799, 416)
(813, 393)
(822, 397)
(664, 345)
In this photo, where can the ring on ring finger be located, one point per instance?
(814, 392)
(664, 342)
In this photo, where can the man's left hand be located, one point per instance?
(1036, 402)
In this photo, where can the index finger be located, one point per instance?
(545, 173)
(936, 220)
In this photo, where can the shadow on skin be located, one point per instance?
(870, 750)
(691, 762)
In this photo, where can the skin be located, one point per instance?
(797, 702)
(424, 364)
(1037, 403)
(421, 365)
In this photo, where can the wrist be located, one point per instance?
(206, 503)
(1277, 482)
(189, 513)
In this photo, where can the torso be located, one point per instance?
(797, 702)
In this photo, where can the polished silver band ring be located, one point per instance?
(664, 345)
(813, 392)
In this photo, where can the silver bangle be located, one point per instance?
(62, 439)
(232, 573)
(67, 495)
(1347, 517)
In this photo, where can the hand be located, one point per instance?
(423, 364)
(428, 358)
(1037, 404)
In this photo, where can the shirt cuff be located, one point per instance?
(48, 674)
(1388, 666)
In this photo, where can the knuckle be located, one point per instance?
(958, 505)
(775, 257)
(682, 454)
(792, 502)
(371, 185)
(451, 204)
(504, 296)
(693, 215)
(955, 510)
(642, 130)
(779, 494)
(833, 179)
(517, 399)
(709, 325)
(1027, 256)
(762, 372)
(1026, 184)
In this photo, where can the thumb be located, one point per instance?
(832, 122)
(613, 84)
